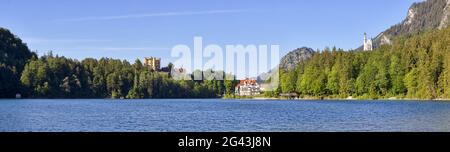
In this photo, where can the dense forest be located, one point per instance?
(52, 76)
(415, 66)
(14, 54)
(59, 77)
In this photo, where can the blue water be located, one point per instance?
(221, 115)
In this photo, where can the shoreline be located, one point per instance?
(346, 99)
(247, 98)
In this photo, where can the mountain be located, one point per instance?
(290, 60)
(422, 16)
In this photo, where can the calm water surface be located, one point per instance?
(222, 115)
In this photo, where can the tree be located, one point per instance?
(411, 82)
(287, 79)
(397, 74)
(14, 54)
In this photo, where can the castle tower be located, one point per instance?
(153, 63)
(368, 45)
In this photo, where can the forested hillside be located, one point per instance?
(411, 60)
(421, 16)
(417, 66)
(53, 76)
(13, 56)
(60, 77)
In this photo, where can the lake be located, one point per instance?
(216, 115)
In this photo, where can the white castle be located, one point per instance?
(368, 45)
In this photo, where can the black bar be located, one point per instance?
(278, 141)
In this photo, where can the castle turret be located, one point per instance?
(365, 38)
(368, 45)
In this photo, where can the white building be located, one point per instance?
(248, 87)
(368, 44)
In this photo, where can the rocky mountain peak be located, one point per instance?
(291, 60)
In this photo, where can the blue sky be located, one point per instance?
(136, 28)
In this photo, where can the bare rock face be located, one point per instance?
(410, 18)
(385, 40)
(446, 16)
(291, 60)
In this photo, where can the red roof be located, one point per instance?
(247, 81)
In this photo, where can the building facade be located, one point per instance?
(153, 63)
(248, 87)
(368, 43)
